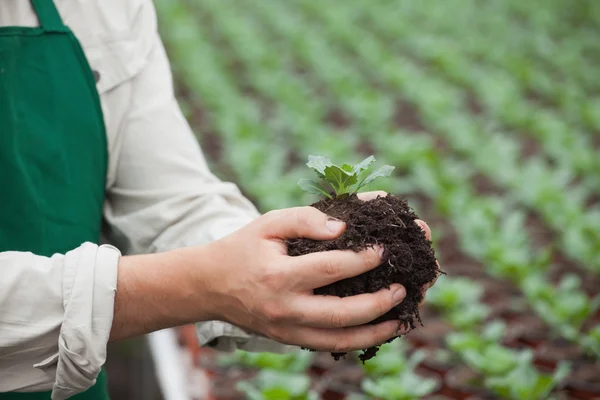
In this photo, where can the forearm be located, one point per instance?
(163, 290)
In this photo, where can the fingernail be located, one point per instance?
(380, 250)
(399, 295)
(334, 225)
(420, 223)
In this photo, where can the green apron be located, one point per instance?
(53, 151)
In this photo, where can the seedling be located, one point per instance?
(276, 385)
(387, 221)
(469, 317)
(297, 361)
(406, 386)
(591, 341)
(344, 180)
(481, 351)
(391, 360)
(524, 382)
(564, 307)
(460, 300)
(454, 294)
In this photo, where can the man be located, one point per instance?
(90, 131)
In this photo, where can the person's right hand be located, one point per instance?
(258, 287)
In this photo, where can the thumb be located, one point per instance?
(301, 222)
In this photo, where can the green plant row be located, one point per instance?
(295, 110)
(508, 263)
(553, 68)
(228, 118)
(272, 384)
(280, 376)
(502, 95)
(388, 140)
(509, 373)
(534, 182)
(516, 269)
(368, 108)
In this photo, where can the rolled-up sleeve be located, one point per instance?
(55, 318)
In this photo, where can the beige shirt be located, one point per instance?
(56, 313)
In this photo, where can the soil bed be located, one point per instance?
(408, 258)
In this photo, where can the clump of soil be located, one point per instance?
(408, 258)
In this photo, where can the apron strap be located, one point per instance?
(48, 16)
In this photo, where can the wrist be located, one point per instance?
(198, 299)
(158, 291)
(214, 281)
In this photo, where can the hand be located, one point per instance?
(260, 288)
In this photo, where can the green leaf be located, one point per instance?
(319, 164)
(276, 393)
(470, 316)
(250, 391)
(494, 331)
(340, 180)
(525, 382)
(348, 168)
(313, 187)
(384, 171)
(371, 388)
(561, 372)
(390, 360)
(343, 179)
(292, 362)
(363, 165)
(406, 386)
(494, 360)
(417, 358)
(293, 383)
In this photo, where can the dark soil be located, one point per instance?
(408, 259)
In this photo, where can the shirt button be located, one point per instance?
(96, 75)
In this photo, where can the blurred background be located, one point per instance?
(490, 111)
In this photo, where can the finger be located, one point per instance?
(425, 228)
(337, 312)
(341, 340)
(424, 295)
(438, 273)
(322, 268)
(366, 196)
(301, 222)
(427, 286)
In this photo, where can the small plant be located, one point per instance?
(387, 221)
(297, 361)
(406, 386)
(455, 293)
(524, 382)
(564, 307)
(276, 385)
(591, 341)
(460, 300)
(391, 375)
(482, 352)
(469, 317)
(344, 180)
(392, 360)
(509, 373)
